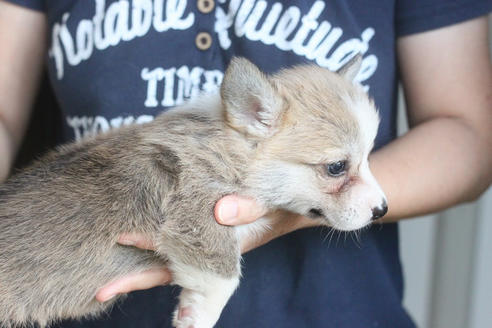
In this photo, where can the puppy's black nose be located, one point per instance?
(379, 212)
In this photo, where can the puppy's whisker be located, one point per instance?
(353, 236)
(357, 240)
(325, 237)
(330, 234)
(339, 233)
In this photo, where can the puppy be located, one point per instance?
(297, 141)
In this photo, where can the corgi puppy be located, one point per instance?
(298, 140)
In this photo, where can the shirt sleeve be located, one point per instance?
(423, 15)
(37, 5)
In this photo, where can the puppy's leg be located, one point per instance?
(203, 297)
(204, 260)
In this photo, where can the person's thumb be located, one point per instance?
(236, 210)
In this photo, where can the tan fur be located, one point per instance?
(268, 137)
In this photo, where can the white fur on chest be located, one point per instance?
(254, 230)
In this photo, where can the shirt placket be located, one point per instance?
(205, 41)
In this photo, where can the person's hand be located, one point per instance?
(230, 210)
(144, 280)
(235, 210)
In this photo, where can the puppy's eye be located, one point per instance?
(336, 169)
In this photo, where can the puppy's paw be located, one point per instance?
(193, 312)
(202, 298)
(183, 318)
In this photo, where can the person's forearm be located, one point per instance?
(437, 164)
(6, 153)
(21, 63)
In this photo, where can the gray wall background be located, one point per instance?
(447, 262)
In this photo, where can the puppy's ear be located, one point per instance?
(351, 68)
(251, 102)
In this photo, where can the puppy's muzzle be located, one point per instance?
(380, 211)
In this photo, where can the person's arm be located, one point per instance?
(446, 157)
(443, 160)
(22, 47)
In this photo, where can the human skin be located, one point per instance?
(443, 160)
(21, 57)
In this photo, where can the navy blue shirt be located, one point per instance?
(120, 62)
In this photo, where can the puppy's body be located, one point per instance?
(60, 219)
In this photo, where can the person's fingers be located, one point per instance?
(138, 281)
(137, 240)
(279, 223)
(236, 210)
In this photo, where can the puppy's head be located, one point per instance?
(312, 130)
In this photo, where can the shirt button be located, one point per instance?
(205, 6)
(203, 41)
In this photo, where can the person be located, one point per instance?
(119, 62)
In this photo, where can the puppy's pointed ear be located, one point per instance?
(251, 103)
(351, 68)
